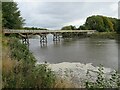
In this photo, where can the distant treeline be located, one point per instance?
(34, 28)
(99, 23)
(11, 18)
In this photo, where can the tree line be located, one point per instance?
(33, 28)
(99, 23)
(11, 18)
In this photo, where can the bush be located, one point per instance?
(101, 81)
(104, 35)
(23, 73)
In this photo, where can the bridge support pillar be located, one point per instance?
(25, 40)
(56, 37)
(43, 38)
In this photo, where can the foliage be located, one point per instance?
(20, 71)
(43, 76)
(113, 81)
(100, 23)
(11, 17)
(65, 34)
(118, 29)
(33, 28)
(82, 27)
(70, 27)
(0, 15)
(115, 23)
(104, 35)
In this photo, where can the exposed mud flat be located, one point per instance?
(76, 72)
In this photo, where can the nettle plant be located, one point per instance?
(112, 80)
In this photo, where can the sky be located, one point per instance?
(55, 15)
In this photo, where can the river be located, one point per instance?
(83, 50)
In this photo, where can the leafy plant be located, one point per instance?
(23, 71)
(101, 82)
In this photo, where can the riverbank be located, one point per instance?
(21, 71)
(76, 73)
(104, 35)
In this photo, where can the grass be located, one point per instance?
(0, 60)
(19, 69)
(104, 35)
(62, 83)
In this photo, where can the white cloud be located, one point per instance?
(114, 6)
(57, 14)
(66, 0)
(76, 23)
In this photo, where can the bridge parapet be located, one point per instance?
(47, 31)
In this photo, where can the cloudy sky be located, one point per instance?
(54, 15)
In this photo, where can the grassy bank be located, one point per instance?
(19, 69)
(104, 35)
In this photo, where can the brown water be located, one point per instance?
(84, 50)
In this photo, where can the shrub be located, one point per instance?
(101, 81)
(23, 73)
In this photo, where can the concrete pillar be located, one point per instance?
(56, 37)
(43, 40)
(25, 40)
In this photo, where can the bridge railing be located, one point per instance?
(22, 31)
(46, 31)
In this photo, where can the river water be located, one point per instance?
(83, 50)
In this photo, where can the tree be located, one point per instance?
(0, 15)
(118, 28)
(82, 27)
(115, 23)
(11, 17)
(70, 27)
(108, 24)
(95, 23)
(101, 23)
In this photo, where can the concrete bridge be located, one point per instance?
(25, 34)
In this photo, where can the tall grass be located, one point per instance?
(19, 69)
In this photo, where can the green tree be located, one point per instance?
(11, 17)
(70, 27)
(115, 23)
(101, 23)
(95, 23)
(108, 24)
(118, 28)
(82, 27)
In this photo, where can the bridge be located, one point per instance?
(25, 34)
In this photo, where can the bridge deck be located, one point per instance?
(9, 31)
